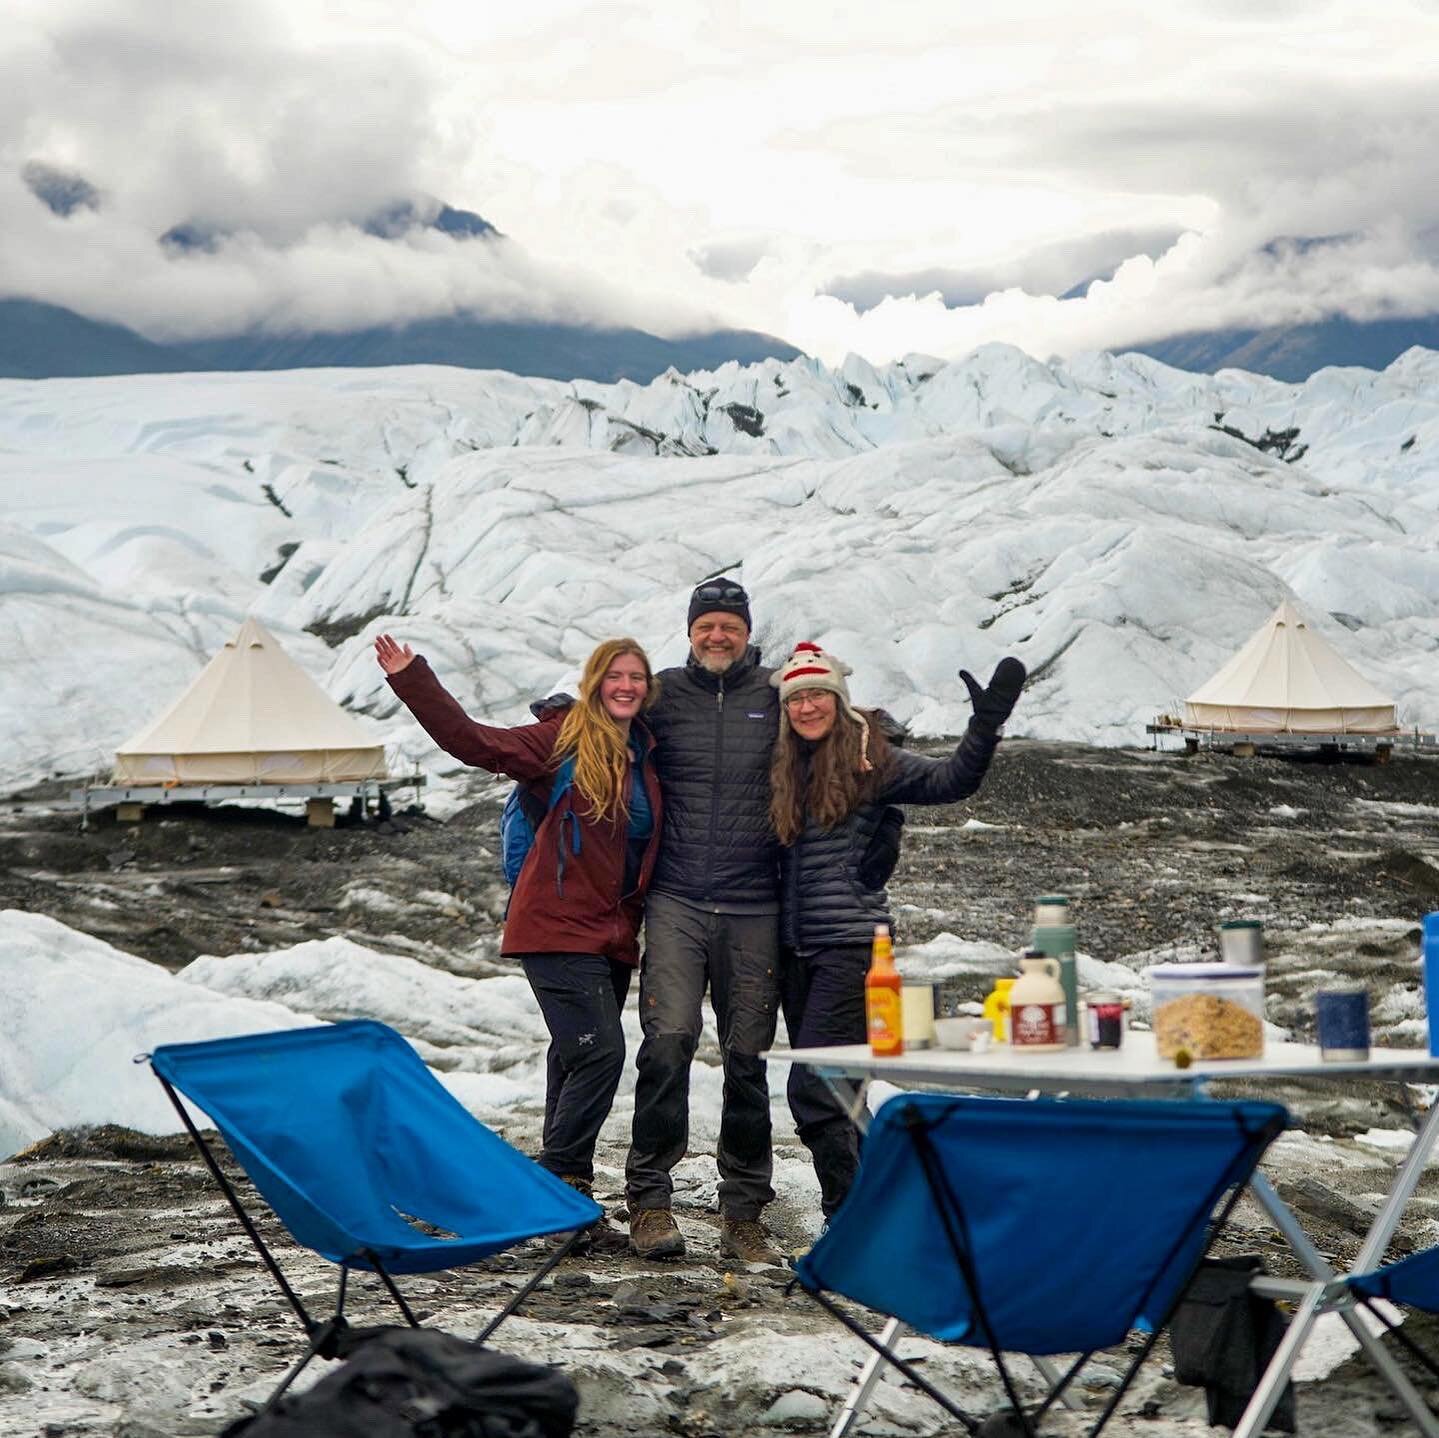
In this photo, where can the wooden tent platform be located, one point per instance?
(131, 800)
(1381, 746)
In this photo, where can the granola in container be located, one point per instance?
(1211, 1011)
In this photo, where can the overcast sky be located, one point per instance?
(918, 175)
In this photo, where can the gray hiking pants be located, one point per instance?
(737, 957)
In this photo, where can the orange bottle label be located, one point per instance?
(882, 1012)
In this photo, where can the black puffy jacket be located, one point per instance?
(714, 734)
(824, 902)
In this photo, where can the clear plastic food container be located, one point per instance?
(1212, 1011)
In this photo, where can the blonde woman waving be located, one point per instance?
(579, 897)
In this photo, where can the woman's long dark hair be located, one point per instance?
(838, 782)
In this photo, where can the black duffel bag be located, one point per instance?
(422, 1383)
(1223, 1336)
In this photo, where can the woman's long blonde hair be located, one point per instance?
(588, 732)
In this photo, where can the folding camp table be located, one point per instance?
(1136, 1071)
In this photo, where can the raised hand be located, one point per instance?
(393, 657)
(994, 703)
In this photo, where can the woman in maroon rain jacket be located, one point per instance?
(579, 898)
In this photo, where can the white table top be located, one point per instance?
(1133, 1068)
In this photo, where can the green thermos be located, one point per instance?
(1054, 935)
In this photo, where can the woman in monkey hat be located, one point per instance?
(833, 775)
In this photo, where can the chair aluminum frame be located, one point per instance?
(334, 1336)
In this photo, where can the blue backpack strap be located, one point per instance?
(523, 814)
(564, 777)
(569, 820)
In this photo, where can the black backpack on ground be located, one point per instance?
(1223, 1337)
(422, 1383)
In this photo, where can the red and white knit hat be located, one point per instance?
(809, 667)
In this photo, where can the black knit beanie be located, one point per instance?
(718, 595)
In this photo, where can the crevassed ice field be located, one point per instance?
(1120, 525)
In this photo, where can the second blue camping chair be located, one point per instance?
(365, 1158)
(1412, 1281)
(1036, 1226)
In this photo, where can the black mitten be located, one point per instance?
(994, 704)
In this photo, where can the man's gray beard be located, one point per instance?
(716, 663)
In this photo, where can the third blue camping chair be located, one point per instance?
(365, 1158)
(1038, 1226)
(1412, 1281)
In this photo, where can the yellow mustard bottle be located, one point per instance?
(996, 1009)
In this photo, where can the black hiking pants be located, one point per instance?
(735, 956)
(580, 996)
(823, 996)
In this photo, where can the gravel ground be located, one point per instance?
(132, 1305)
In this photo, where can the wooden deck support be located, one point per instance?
(320, 813)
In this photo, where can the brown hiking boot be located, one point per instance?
(746, 1240)
(654, 1234)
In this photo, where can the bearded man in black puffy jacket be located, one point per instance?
(711, 921)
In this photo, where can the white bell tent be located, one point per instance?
(252, 716)
(1288, 679)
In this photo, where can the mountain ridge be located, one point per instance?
(45, 341)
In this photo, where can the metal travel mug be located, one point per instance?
(1241, 941)
(1342, 1013)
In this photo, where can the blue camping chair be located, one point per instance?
(1035, 1226)
(366, 1159)
(1412, 1281)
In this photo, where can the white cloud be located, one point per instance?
(673, 165)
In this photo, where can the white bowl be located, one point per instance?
(957, 1033)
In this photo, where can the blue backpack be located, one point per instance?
(523, 814)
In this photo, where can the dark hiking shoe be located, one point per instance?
(746, 1240)
(654, 1234)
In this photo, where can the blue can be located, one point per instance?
(1342, 1012)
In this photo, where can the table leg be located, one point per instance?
(1321, 1298)
(864, 1385)
(1371, 1255)
(852, 1095)
(1400, 1191)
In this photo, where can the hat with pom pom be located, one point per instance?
(809, 667)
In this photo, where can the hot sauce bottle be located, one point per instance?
(882, 998)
